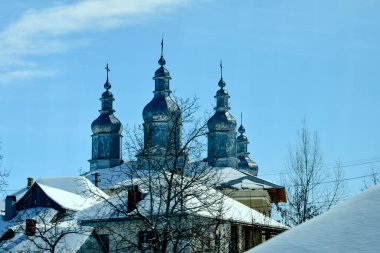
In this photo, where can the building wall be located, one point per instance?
(258, 200)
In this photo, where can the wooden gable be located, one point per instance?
(36, 197)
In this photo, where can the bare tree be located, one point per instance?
(172, 197)
(308, 192)
(4, 173)
(374, 178)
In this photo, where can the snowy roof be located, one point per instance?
(195, 205)
(18, 194)
(71, 193)
(39, 214)
(74, 234)
(110, 178)
(350, 227)
(243, 180)
(236, 179)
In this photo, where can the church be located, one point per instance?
(165, 197)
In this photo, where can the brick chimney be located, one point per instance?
(30, 227)
(10, 207)
(134, 196)
(30, 182)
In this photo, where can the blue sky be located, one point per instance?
(284, 61)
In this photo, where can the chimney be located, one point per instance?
(30, 182)
(96, 182)
(134, 196)
(10, 207)
(30, 227)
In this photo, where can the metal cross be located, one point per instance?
(221, 69)
(108, 70)
(162, 45)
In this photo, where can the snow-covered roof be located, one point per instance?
(231, 178)
(71, 193)
(69, 243)
(243, 180)
(350, 227)
(226, 177)
(74, 235)
(195, 205)
(110, 178)
(40, 214)
(18, 194)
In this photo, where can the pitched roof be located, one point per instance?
(71, 193)
(194, 205)
(19, 242)
(350, 227)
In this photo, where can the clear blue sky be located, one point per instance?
(283, 61)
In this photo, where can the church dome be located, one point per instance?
(221, 92)
(242, 138)
(162, 72)
(221, 121)
(245, 163)
(106, 123)
(160, 108)
(107, 95)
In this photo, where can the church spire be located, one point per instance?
(162, 61)
(107, 85)
(221, 81)
(222, 95)
(222, 130)
(245, 162)
(106, 130)
(162, 116)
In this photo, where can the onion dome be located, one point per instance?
(222, 120)
(241, 137)
(106, 122)
(162, 71)
(161, 107)
(221, 137)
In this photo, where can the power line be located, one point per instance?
(340, 165)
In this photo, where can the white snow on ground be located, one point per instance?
(352, 226)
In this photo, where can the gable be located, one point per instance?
(36, 197)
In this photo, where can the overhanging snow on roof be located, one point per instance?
(70, 193)
(350, 227)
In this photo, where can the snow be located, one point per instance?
(18, 194)
(34, 213)
(75, 236)
(72, 193)
(70, 242)
(111, 178)
(116, 177)
(232, 209)
(350, 227)
(242, 180)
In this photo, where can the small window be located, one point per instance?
(146, 239)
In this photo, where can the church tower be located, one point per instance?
(106, 138)
(222, 131)
(162, 117)
(245, 163)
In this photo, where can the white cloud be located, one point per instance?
(46, 31)
(17, 75)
